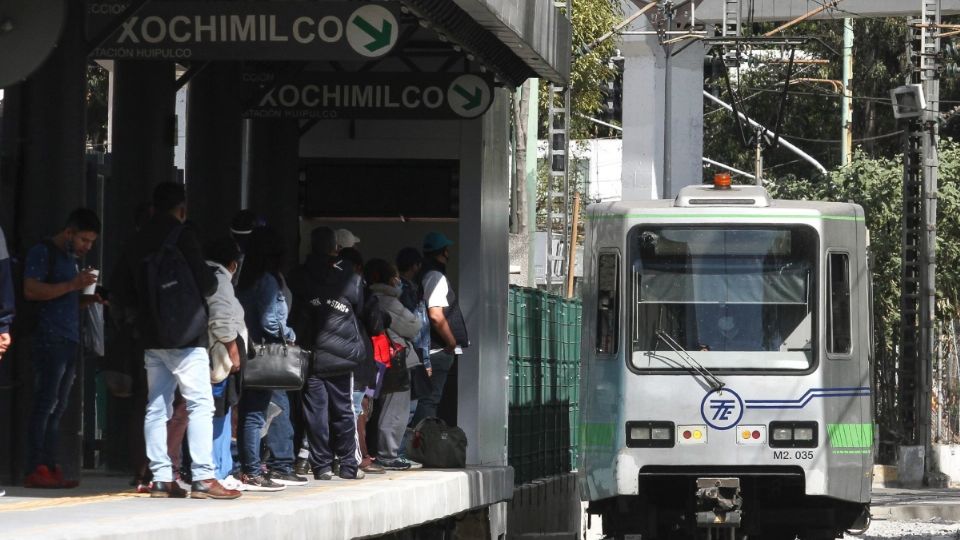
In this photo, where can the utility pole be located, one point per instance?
(847, 87)
(918, 278)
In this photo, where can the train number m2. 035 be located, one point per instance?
(787, 454)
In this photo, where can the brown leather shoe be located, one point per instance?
(211, 489)
(167, 490)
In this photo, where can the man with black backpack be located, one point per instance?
(164, 279)
(52, 285)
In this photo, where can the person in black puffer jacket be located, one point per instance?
(327, 298)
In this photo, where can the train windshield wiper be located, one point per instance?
(714, 381)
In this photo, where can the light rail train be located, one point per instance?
(726, 366)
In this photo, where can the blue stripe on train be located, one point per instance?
(807, 397)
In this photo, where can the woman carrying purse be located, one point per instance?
(260, 290)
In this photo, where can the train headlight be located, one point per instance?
(783, 434)
(650, 434)
(660, 434)
(794, 434)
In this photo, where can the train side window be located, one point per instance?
(608, 303)
(838, 318)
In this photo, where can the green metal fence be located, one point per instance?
(544, 390)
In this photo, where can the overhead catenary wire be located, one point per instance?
(787, 144)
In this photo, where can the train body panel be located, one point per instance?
(726, 322)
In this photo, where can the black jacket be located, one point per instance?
(458, 325)
(327, 298)
(128, 290)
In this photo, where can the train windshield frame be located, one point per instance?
(733, 297)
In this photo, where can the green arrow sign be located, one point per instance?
(381, 37)
(474, 100)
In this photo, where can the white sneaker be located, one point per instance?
(232, 483)
(414, 464)
(2, 492)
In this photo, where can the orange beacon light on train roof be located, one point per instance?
(721, 181)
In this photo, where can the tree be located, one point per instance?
(812, 119)
(591, 19)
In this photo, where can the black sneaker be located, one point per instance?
(287, 479)
(301, 467)
(325, 475)
(260, 483)
(399, 464)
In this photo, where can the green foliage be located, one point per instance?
(591, 19)
(813, 118)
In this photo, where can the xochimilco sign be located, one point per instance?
(244, 30)
(332, 95)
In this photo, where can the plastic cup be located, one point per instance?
(92, 288)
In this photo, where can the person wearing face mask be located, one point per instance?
(394, 401)
(53, 279)
(227, 339)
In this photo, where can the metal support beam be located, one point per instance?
(846, 104)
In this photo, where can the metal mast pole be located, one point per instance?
(558, 184)
(930, 78)
(847, 103)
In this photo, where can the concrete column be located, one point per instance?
(275, 179)
(43, 180)
(644, 112)
(51, 135)
(213, 148)
(483, 281)
(143, 137)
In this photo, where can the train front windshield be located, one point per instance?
(730, 298)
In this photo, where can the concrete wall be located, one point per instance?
(479, 268)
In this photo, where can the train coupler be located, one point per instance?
(719, 506)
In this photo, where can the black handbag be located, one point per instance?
(276, 366)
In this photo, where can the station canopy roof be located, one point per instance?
(517, 39)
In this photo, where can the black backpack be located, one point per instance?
(173, 298)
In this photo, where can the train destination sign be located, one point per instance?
(244, 30)
(332, 95)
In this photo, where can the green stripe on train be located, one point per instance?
(722, 216)
(850, 435)
(598, 435)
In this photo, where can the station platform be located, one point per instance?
(105, 507)
(916, 504)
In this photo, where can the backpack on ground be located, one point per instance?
(437, 445)
(173, 298)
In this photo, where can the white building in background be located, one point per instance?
(601, 161)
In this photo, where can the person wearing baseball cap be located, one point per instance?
(346, 239)
(448, 330)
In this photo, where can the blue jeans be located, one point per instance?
(190, 370)
(427, 405)
(279, 439)
(222, 434)
(280, 436)
(55, 368)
